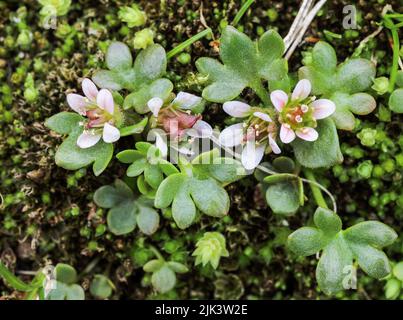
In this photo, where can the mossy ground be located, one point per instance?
(48, 214)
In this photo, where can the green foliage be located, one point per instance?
(54, 7)
(324, 152)
(284, 190)
(65, 273)
(15, 282)
(142, 39)
(125, 210)
(210, 248)
(71, 157)
(147, 161)
(65, 287)
(396, 101)
(163, 276)
(198, 185)
(133, 16)
(394, 283)
(143, 78)
(101, 287)
(361, 242)
(245, 64)
(343, 84)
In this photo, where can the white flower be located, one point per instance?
(99, 108)
(253, 134)
(298, 115)
(177, 120)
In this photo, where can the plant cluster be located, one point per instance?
(284, 134)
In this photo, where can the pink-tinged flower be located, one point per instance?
(101, 113)
(254, 134)
(298, 115)
(177, 119)
(178, 122)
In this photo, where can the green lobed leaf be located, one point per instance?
(374, 233)
(327, 221)
(147, 219)
(118, 56)
(168, 189)
(348, 105)
(183, 208)
(129, 156)
(160, 88)
(343, 84)
(398, 271)
(71, 157)
(66, 292)
(150, 64)
(110, 196)
(306, 241)
(245, 64)
(137, 167)
(324, 152)
(324, 57)
(65, 273)
(64, 122)
(153, 265)
(177, 267)
(209, 197)
(101, 287)
(283, 197)
(333, 266)
(361, 242)
(164, 279)
(121, 218)
(355, 75)
(134, 128)
(396, 101)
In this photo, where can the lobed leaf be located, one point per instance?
(324, 152)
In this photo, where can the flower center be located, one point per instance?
(258, 129)
(176, 122)
(97, 117)
(298, 115)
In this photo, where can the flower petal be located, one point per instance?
(323, 108)
(279, 99)
(201, 129)
(88, 139)
(90, 90)
(262, 116)
(110, 133)
(236, 109)
(252, 155)
(186, 100)
(155, 104)
(308, 134)
(287, 135)
(301, 90)
(105, 101)
(77, 102)
(273, 144)
(161, 144)
(232, 136)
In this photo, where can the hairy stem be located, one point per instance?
(317, 192)
(179, 48)
(241, 12)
